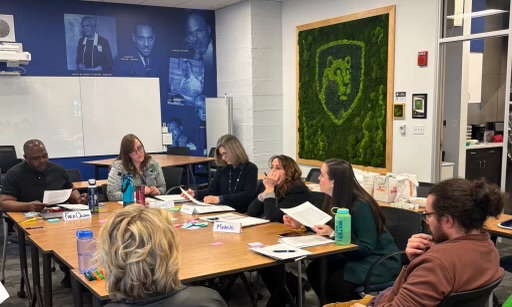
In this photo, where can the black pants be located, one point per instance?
(274, 278)
(326, 276)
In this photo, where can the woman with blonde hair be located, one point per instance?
(133, 160)
(234, 183)
(138, 248)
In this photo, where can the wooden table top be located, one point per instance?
(491, 226)
(163, 160)
(84, 184)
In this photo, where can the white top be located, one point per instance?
(484, 145)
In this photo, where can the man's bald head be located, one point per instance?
(35, 155)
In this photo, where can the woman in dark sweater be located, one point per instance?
(283, 188)
(344, 272)
(234, 183)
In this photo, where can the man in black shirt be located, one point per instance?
(25, 183)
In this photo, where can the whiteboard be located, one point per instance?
(79, 116)
(45, 108)
(113, 107)
(219, 119)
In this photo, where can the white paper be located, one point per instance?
(307, 214)
(161, 204)
(195, 209)
(287, 251)
(3, 294)
(52, 197)
(232, 217)
(192, 199)
(74, 207)
(177, 198)
(306, 241)
(77, 215)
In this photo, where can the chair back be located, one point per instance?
(402, 224)
(211, 154)
(473, 298)
(74, 175)
(172, 176)
(103, 196)
(424, 188)
(8, 157)
(313, 175)
(178, 151)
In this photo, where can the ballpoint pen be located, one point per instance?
(35, 227)
(284, 251)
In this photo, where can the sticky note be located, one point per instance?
(53, 220)
(216, 243)
(256, 244)
(102, 221)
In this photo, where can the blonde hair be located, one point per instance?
(233, 148)
(138, 248)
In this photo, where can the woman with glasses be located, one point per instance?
(134, 161)
(234, 183)
(344, 272)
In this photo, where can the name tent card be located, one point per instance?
(77, 215)
(227, 227)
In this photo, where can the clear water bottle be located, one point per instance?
(128, 189)
(342, 226)
(92, 193)
(86, 247)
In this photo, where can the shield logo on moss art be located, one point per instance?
(339, 77)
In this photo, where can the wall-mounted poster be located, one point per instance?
(345, 89)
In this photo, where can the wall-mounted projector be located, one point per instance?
(13, 54)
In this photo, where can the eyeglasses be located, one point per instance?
(426, 214)
(223, 154)
(137, 150)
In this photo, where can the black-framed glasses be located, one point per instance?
(140, 148)
(424, 215)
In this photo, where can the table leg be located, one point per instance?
(47, 280)
(97, 172)
(23, 264)
(96, 302)
(299, 283)
(76, 289)
(36, 276)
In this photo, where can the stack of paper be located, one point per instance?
(236, 218)
(176, 198)
(192, 199)
(307, 214)
(306, 241)
(282, 251)
(200, 209)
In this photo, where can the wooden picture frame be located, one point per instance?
(338, 117)
(399, 111)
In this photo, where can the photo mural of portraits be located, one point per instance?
(345, 86)
(91, 44)
(139, 59)
(186, 78)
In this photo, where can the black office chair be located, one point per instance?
(8, 159)
(74, 175)
(172, 176)
(401, 224)
(313, 175)
(103, 196)
(424, 188)
(178, 151)
(473, 298)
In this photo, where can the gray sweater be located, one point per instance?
(152, 175)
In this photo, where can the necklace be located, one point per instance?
(237, 180)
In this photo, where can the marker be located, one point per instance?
(284, 251)
(265, 174)
(35, 227)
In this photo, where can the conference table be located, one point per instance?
(82, 185)
(163, 160)
(204, 253)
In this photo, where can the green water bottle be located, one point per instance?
(342, 226)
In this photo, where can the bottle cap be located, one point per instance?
(84, 234)
(342, 211)
(92, 181)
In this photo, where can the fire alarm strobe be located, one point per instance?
(422, 58)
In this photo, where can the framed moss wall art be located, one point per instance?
(345, 89)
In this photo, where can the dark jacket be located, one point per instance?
(270, 208)
(99, 55)
(183, 297)
(131, 65)
(235, 186)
